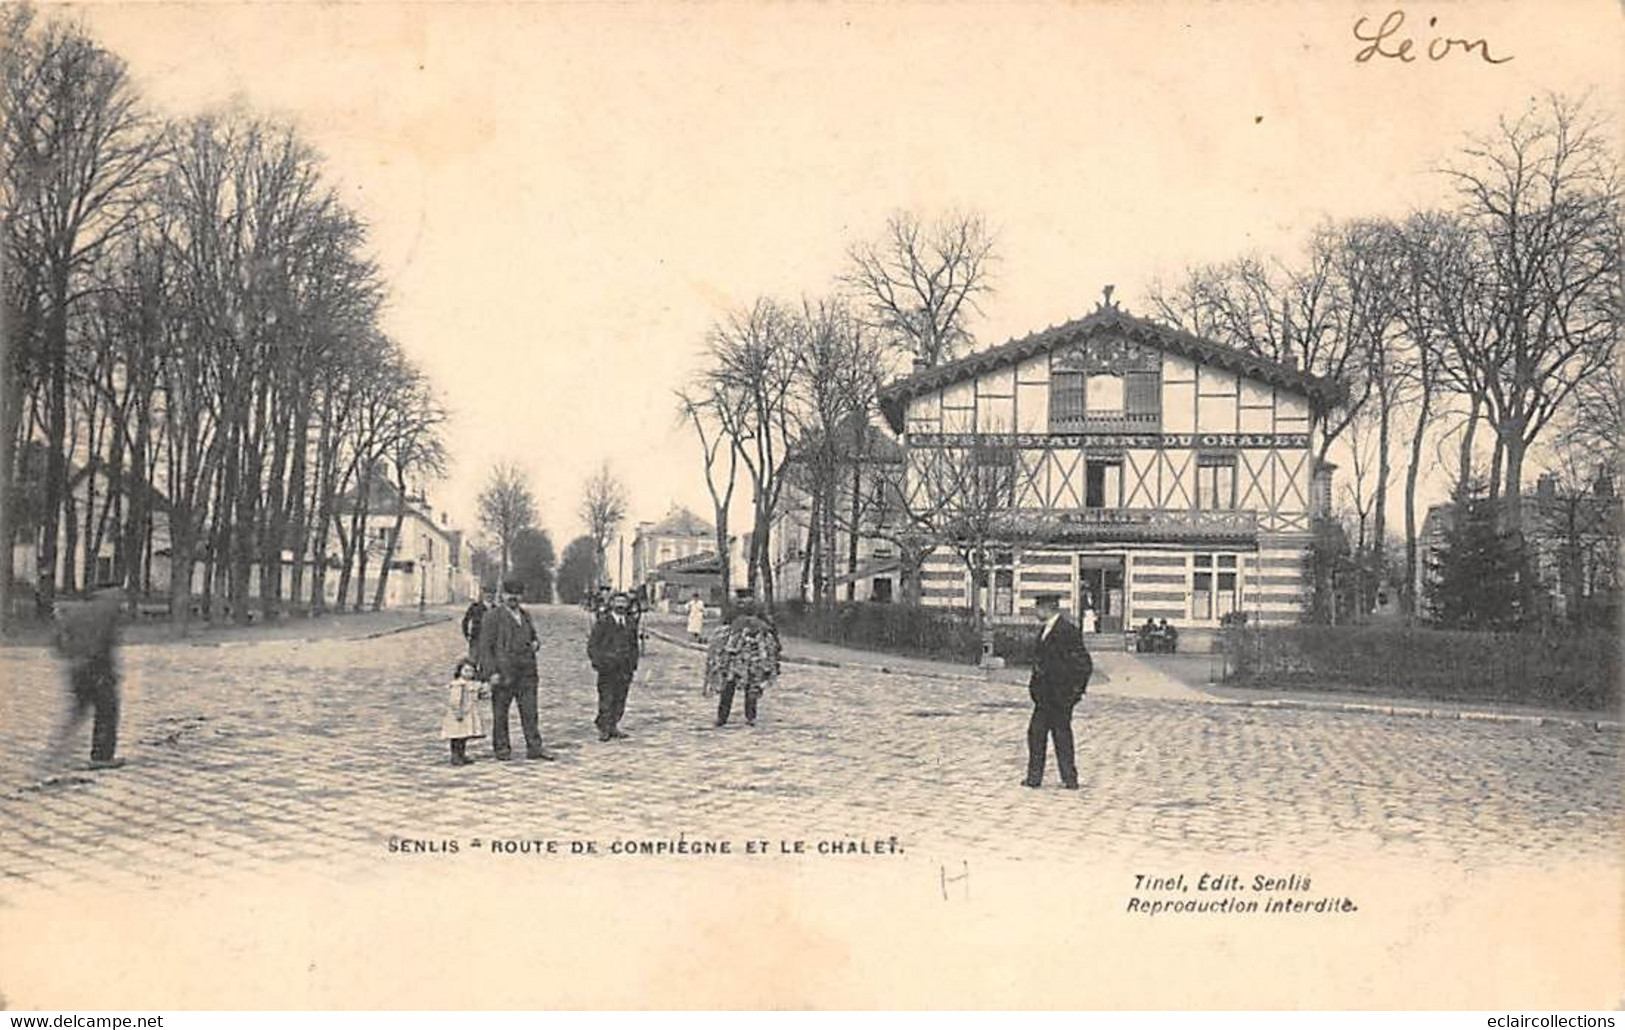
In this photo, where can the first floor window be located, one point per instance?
(1214, 592)
(1103, 484)
(1216, 482)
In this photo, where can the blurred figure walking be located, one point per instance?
(87, 636)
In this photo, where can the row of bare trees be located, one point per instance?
(192, 342)
(788, 390)
(1496, 314)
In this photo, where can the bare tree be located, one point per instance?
(1542, 193)
(78, 150)
(753, 364)
(962, 496)
(506, 506)
(603, 509)
(415, 451)
(839, 373)
(715, 414)
(920, 283)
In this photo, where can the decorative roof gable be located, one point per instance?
(1130, 342)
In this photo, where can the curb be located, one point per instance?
(1400, 711)
(1408, 711)
(824, 663)
(409, 627)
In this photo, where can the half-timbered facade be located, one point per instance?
(1141, 472)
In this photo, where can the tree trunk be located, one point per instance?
(1413, 468)
(295, 525)
(394, 542)
(852, 532)
(1464, 473)
(56, 457)
(1497, 457)
(812, 560)
(724, 559)
(275, 522)
(1379, 529)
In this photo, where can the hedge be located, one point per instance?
(1572, 670)
(905, 629)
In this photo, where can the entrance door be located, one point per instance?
(1100, 588)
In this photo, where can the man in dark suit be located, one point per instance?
(507, 653)
(613, 649)
(1061, 669)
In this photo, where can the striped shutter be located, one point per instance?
(1144, 393)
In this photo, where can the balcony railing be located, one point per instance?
(1106, 422)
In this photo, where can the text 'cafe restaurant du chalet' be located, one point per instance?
(1152, 473)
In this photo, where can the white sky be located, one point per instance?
(564, 196)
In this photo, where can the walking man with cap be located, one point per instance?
(1061, 670)
(613, 649)
(507, 653)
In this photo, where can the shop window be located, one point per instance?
(1214, 586)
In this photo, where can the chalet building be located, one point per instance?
(1145, 472)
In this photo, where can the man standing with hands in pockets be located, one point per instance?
(507, 652)
(1061, 670)
(613, 650)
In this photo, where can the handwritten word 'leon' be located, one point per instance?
(1388, 43)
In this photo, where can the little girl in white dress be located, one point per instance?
(465, 716)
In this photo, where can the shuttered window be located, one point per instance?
(1066, 400)
(1144, 391)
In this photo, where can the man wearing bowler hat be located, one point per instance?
(613, 649)
(1061, 669)
(507, 653)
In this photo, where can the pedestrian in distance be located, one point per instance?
(475, 615)
(696, 617)
(1060, 676)
(612, 647)
(87, 637)
(464, 719)
(507, 655)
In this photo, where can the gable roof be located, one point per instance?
(679, 521)
(1322, 393)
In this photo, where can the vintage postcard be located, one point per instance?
(533, 505)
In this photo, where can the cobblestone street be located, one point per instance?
(267, 759)
(261, 752)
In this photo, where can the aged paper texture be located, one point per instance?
(561, 201)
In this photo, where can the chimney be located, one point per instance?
(1603, 485)
(1546, 487)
